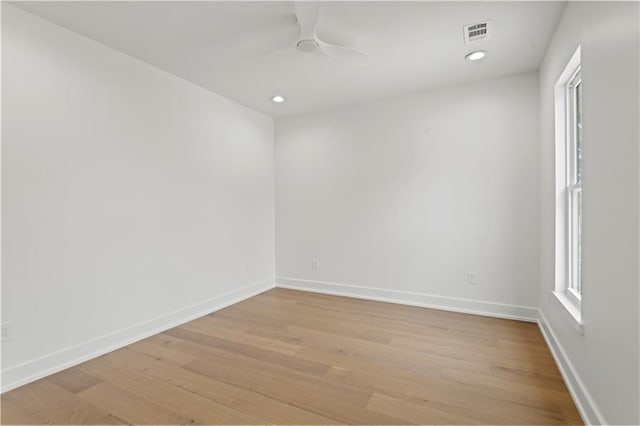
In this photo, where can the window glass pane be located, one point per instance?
(578, 235)
(578, 131)
(575, 239)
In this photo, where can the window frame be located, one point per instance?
(573, 189)
(568, 280)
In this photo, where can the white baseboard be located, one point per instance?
(581, 397)
(467, 306)
(38, 368)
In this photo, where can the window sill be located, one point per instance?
(572, 312)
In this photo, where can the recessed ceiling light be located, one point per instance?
(475, 56)
(278, 99)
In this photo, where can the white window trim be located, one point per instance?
(569, 299)
(572, 313)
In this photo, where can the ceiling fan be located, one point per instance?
(308, 40)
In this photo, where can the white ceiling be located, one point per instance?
(246, 50)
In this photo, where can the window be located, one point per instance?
(568, 123)
(574, 184)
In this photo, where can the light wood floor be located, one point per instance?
(291, 357)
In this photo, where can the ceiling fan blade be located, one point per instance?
(352, 56)
(307, 16)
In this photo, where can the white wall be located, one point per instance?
(131, 198)
(604, 362)
(409, 194)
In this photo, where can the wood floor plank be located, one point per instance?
(451, 397)
(45, 400)
(20, 414)
(211, 326)
(162, 352)
(310, 397)
(73, 379)
(130, 407)
(414, 413)
(266, 409)
(193, 407)
(277, 380)
(419, 362)
(265, 355)
(523, 393)
(291, 357)
(316, 322)
(376, 353)
(461, 349)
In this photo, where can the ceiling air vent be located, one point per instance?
(475, 32)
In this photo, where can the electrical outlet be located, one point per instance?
(472, 278)
(6, 331)
(315, 264)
